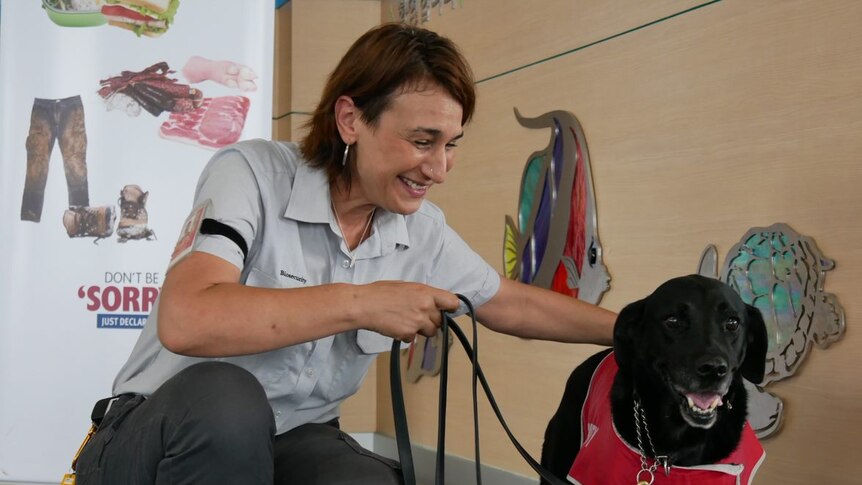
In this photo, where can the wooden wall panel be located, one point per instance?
(500, 35)
(311, 36)
(323, 30)
(734, 115)
(281, 128)
(282, 79)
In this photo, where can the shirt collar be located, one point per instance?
(393, 230)
(309, 196)
(310, 202)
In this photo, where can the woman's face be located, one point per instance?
(411, 148)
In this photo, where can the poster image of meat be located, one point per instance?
(103, 136)
(227, 73)
(210, 123)
(217, 123)
(147, 18)
(151, 89)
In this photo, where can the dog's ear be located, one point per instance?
(625, 332)
(754, 365)
(143, 199)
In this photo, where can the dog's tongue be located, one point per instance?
(704, 400)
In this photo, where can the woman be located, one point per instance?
(307, 263)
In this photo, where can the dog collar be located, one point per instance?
(647, 470)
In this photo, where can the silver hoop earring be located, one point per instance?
(344, 158)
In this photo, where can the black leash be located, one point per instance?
(402, 436)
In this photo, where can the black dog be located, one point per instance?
(682, 353)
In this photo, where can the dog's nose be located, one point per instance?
(712, 367)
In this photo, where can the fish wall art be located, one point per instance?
(553, 241)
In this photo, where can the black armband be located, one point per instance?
(214, 227)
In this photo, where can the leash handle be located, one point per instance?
(402, 434)
(440, 472)
(478, 374)
(440, 475)
(474, 361)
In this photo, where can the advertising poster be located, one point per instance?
(109, 113)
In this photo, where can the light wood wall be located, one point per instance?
(703, 119)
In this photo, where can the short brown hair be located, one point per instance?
(384, 59)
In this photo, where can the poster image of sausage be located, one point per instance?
(210, 123)
(151, 89)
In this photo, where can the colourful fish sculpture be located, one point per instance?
(554, 243)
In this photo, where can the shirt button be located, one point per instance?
(309, 372)
(278, 414)
(345, 264)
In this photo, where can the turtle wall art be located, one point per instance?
(783, 274)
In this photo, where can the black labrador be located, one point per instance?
(682, 353)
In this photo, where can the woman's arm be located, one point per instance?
(531, 312)
(204, 311)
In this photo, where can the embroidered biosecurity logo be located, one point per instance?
(123, 301)
(293, 277)
(554, 241)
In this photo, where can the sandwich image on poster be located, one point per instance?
(150, 18)
(75, 13)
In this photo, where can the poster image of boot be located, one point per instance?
(133, 215)
(97, 222)
(62, 121)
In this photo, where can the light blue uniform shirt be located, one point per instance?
(281, 207)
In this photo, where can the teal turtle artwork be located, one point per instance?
(783, 274)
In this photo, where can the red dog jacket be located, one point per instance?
(605, 458)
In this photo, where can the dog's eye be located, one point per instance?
(672, 322)
(732, 324)
(593, 254)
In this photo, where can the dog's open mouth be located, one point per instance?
(700, 409)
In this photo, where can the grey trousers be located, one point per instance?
(212, 423)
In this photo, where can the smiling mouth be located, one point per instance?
(418, 189)
(700, 409)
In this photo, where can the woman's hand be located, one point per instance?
(204, 311)
(401, 310)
